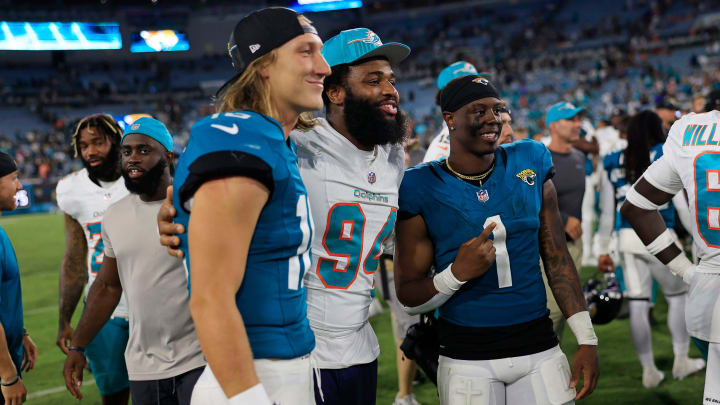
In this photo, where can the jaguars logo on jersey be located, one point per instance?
(528, 176)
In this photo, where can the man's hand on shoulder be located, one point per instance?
(167, 228)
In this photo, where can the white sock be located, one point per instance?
(640, 332)
(712, 373)
(676, 324)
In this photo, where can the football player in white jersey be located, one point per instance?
(690, 161)
(84, 196)
(352, 164)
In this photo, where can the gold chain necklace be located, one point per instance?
(478, 177)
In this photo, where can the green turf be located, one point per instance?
(39, 243)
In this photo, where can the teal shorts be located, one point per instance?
(106, 355)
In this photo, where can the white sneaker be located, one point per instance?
(684, 366)
(652, 377)
(376, 308)
(408, 400)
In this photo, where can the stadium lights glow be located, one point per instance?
(43, 36)
(56, 33)
(76, 30)
(32, 35)
(325, 5)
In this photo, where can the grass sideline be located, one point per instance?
(39, 244)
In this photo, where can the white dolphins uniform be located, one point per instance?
(691, 160)
(440, 145)
(86, 202)
(353, 199)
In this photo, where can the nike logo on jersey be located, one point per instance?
(233, 130)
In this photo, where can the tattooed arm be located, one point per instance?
(559, 267)
(565, 285)
(73, 274)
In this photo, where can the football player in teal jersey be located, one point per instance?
(241, 198)
(481, 218)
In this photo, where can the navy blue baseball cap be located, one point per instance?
(260, 32)
(361, 43)
(152, 128)
(561, 111)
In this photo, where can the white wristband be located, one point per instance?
(662, 241)
(679, 265)
(255, 395)
(446, 283)
(639, 200)
(582, 328)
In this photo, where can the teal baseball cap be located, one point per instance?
(361, 43)
(452, 72)
(152, 128)
(561, 111)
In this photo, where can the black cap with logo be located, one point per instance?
(260, 32)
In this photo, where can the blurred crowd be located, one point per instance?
(638, 55)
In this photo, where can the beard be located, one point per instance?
(149, 182)
(107, 170)
(369, 125)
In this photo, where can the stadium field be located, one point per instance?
(39, 243)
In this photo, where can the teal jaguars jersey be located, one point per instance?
(272, 297)
(614, 164)
(512, 290)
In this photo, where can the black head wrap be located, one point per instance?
(7, 164)
(464, 90)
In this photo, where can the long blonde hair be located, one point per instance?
(251, 92)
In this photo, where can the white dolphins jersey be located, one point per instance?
(86, 202)
(691, 160)
(439, 147)
(353, 200)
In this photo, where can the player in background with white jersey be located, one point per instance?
(352, 164)
(84, 196)
(690, 161)
(645, 137)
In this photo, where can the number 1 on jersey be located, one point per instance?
(502, 258)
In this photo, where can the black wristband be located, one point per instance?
(77, 349)
(11, 382)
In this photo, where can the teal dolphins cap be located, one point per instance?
(561, 111)
(152, 128)
(452, 72)
(361, 43)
